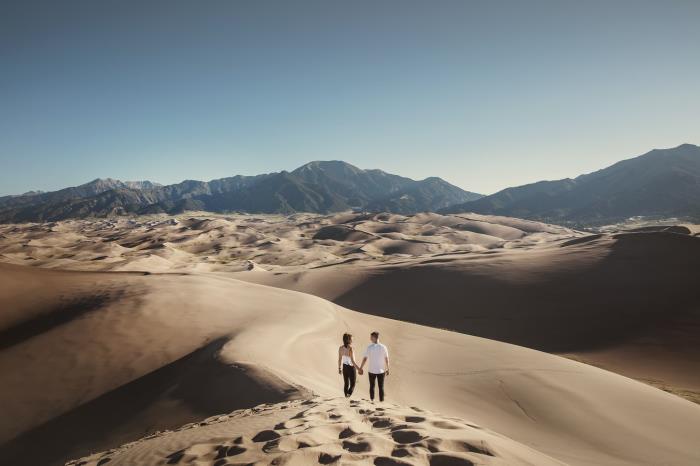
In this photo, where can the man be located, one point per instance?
(378, 367)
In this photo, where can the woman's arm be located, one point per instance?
(352, 357)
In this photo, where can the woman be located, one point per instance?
(347, 364)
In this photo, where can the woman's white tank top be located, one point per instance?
(347, 360)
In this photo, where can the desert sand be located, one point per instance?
(326, 431)
(147, 324)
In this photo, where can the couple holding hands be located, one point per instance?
(378, 368)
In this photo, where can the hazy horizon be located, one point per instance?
(483, 95)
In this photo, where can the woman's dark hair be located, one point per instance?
(346, 339)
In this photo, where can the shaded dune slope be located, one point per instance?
(556, 300)
(187, 390)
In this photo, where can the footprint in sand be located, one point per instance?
(380, 423)
(400, 452)
(385, 461)
(270, 446)
(415, 419)
(356, 447)
(325, 458)
(235, 450)
(406, 436)
(443, 459)
(221, 451)
(265, 436)
(174, 458)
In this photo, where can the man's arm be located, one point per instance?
(386, 361)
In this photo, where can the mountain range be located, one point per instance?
(321, 186)
(660, 183)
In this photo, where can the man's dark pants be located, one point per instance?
(380, 381)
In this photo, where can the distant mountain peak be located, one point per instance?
(145, 184)
(332, 166)
(111, 183)
(101, 181)
(327, 163)
(685, 145)
(659, 183)
(320, 186)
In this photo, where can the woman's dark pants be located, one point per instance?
(348, 379)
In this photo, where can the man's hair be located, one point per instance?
(374, 334)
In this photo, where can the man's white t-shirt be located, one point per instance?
(375, 354)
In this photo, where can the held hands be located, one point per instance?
(359, 369)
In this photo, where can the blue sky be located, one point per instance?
(486, 94)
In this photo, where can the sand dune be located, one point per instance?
(256, 336)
